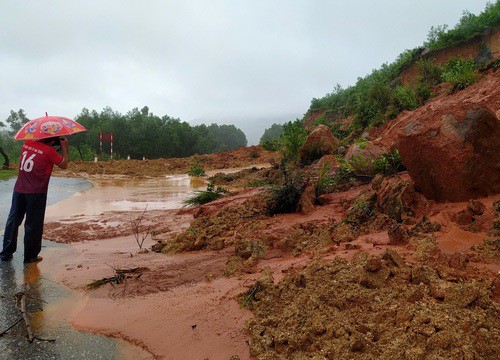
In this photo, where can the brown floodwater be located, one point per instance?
(128, 194)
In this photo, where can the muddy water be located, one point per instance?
(114, 194)
(48, 301)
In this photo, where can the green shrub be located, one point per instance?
(294, 135)
(84, 153)
(325, 182)
(335, 127)
(196, 170)
(209, 195)
(461, 73)
(389, 164)
(428, 72)
(343, 176)
(271, 145)
(285, 197)
(404, 98)
(469, 26)
(423, 93)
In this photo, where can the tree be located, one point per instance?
(273, 133)
(16, 120)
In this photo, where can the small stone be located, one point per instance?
(476, 207)
(398, 235)
(394, 257)
(374, 264)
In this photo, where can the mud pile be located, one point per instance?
(243, 156)
(216, 231)
(374, 308)
(253, 177)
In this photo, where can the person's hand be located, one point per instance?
(64, 144)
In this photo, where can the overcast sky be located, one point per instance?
(248, 63)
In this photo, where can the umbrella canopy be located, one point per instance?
(47, 127)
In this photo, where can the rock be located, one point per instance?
(458, 261)
(495, 226)
(362, 208)
(441, 340)
(418, 294)
(350, 246)
(320, 142)
(306, 202)
(463, 295)
(470, 219)
(476, 207)
(266, 278)
(157, 247)
(328, 160)
(374, 264)
(423, 274)
(495, 291)
(344, 232)
(425, 247)
(398, 235)
(363, 156)
(463, 217)
(341, 150)
(450, 148)
(397, 197)
(438, 289)
(425, 226)
(394, 257)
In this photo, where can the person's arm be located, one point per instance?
(64, 149)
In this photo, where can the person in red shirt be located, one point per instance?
(30, 196)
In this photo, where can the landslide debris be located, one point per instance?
(253, 177)
(374, 308)
(243, 156)
(216, 231)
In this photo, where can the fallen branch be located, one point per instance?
(120, 276)
(29, 327)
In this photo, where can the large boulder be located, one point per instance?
(397, 198)
(451, 145)
(320, 142)
(452, 157)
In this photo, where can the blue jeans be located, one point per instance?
(33, 206)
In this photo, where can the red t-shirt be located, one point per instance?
(35, 166)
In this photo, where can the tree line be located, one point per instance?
(138, 134)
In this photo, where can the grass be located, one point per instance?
(196, 170)
(202, 197)
(6, 174)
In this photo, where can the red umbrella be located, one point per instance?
(48, 126)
